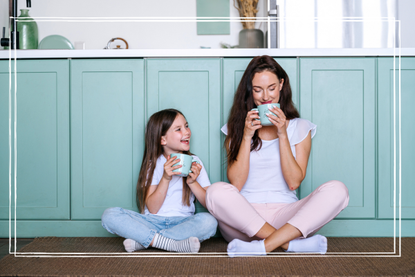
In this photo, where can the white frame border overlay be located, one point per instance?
(206, 254)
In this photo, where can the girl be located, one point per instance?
(167, 220)
(259, 211)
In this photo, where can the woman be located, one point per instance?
(259, 210)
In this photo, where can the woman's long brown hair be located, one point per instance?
(244, 101)
(157, 126)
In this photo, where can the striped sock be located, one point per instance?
(190, 245)
(131, 245)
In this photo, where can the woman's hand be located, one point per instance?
(196, 168)
(278, 120)
(251, 124)
(168, 168)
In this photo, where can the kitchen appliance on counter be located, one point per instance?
(334, 24)
(117, 46)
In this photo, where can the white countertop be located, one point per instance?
(159, 53)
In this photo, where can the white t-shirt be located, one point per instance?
(266, 183)
(172, 205)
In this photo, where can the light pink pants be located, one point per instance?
(242, 220)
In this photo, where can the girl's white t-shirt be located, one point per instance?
(265, 182)
(172, 205)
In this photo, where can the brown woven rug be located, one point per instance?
(106, 257)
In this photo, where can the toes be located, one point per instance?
(231, 248)
(194, 244)
(323, 245)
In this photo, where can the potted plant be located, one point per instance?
(249, 37)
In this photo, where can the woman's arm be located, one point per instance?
(238, 170)
(293, 169)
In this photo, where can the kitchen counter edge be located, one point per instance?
(191, 53)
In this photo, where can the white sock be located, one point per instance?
(317, 244)
(131, 245)
(242, 248)
(190, 245)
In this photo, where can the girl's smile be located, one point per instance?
(185, 141)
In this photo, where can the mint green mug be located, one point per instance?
(263, 110)
(186, 163)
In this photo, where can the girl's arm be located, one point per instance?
(195, 187)
(238, 171)
(293, 169)
(157, 193)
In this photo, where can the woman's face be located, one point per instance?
(266, 88)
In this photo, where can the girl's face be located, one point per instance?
(266, 88)
(177, 138)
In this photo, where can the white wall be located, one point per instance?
(406, 10)
(152, 35)
(148, 35)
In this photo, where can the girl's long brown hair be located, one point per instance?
(244, 102)
(157, 126)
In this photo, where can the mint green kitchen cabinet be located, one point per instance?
(107, 134)
(396, 138)
(81, 123)
(5, 147)
(339, 96)
(193, 87)
(42, 140)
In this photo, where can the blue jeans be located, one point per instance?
(142, 228)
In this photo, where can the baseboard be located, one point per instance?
(69, 228)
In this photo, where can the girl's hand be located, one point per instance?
(279, 120)
(251, 124)
(196, 168)
(168, 168)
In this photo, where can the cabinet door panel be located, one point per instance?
(107, 112)
(42, 136)
(193, 87)
(338, 95)
(4, 140)
(396, 150)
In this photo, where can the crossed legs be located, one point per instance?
(276, 225)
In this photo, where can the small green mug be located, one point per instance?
(186, 163)
(263, 110)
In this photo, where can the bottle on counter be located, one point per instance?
(28, 31)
